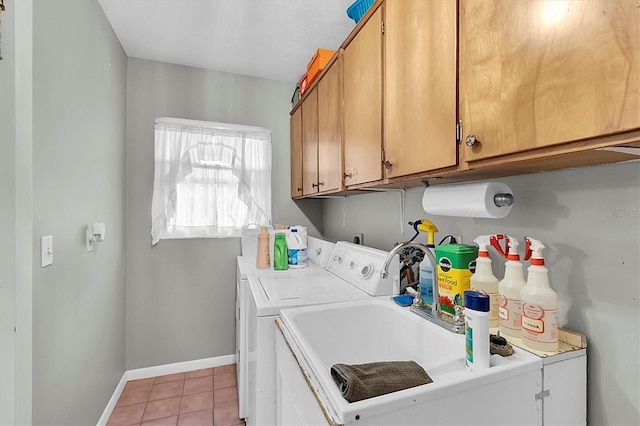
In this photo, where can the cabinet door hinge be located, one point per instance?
(382, 27)
(459, 132)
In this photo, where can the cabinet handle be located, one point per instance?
(317, 185)
(470, 140)
(352, 175)
(387, 165)
(299, 189)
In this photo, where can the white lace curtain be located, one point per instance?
(210, 179)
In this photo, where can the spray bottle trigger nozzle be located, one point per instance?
(495, 243)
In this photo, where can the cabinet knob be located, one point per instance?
(471, 140)
(317, 185)
(387, 165)
(299, 189)
(352, 175)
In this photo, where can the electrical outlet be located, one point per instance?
(358, 238)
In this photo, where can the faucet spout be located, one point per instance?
(455, 324)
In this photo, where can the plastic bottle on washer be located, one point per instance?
(262, 258)
(280, 255)
(296, 250)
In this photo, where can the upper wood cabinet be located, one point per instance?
(363, 103)
(419, 86)
(534, 85)
(296, 153)
(316, 137)
(542, 73)
(330, 154)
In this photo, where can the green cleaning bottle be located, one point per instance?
(280, 253)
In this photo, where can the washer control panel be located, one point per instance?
(361, 266)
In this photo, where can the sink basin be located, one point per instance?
(377, 329)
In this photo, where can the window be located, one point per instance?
(211, 179)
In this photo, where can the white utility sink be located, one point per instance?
(377, 329)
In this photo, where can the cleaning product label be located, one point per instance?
(296, 249)
(468, 332)
(494, 315)
(456, 264)
(426, 285)
(297, 257)
(510, 312)
(538, 324)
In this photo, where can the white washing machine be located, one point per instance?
(318, 254)
(353, 273)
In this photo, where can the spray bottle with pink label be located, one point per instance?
(539, 318)
(509, 288)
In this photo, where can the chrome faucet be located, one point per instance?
(455, 323)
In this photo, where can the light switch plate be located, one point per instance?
(46, 250)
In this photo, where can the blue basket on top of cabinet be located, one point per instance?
(357, 10)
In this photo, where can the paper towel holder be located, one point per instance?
(503, 199)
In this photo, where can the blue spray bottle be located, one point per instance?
(426, 268)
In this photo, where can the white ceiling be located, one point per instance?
(271, 39)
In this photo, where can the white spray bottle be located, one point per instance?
(509, 288)
(539, 303)
(483, 279)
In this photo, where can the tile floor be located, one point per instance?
(194, 398)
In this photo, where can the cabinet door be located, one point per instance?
(330, 162)
(363, 103)
(419, 86)
(310, 143)
(296, 153)
(540, 73)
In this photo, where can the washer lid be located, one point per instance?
(307, 287)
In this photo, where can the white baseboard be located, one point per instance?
(112, 402)
(161, 370)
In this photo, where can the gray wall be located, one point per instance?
(181, 293)
(79, 131)
(589, 220)
(7, 219)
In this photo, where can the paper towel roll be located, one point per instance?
(466, 200)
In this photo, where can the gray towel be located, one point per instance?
(362, 381)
